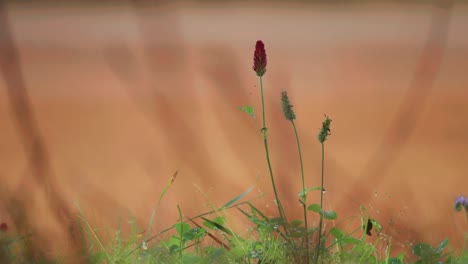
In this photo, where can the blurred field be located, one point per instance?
(124, 96)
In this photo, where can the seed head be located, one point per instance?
(325, 131)
(260, 59)
(287, 107)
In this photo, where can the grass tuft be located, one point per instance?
(207, 238)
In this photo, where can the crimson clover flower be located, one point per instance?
(260, 59)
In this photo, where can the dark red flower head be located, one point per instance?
(260, 59)
(3, 227)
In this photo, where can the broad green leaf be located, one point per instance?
(173, 241)
(441, 246)
(394, 261)
(220, 220)
(330, 215)
(315, 208)
(351, 240)
(248, 109)
(174, 248)
(214, 254)
(181, 228)
(423, 250)
(189, 259)
(194, 233)
(209, 224)
(236, 253)
(277, 220)
(98, 257)
(336, 232)
(297, 232)
(295, 223)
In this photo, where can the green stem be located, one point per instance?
(321, 203)
(263, 108)
(181, 232)
(264, 133)
(304, 190)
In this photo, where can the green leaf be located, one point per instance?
(336, 232)
(220, 220)
(297, 232)
(330, 215)
(173, 241)
(247, 109)
(277, 221)
(315, 208)
(295, 223)
(236, 253)
(237, 198)
(209, 224)
(215, 224)
(394, 261)
(98, 257)
(189, 259)
(194, 233)
(377, 226)
(181, 228)
(351, 240)
(441, 246)
(423, 250)
(315, 188)
(302, 196)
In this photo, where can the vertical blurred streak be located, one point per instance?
(30, 135)
(409, 111)
(221, 68)
(170, 99)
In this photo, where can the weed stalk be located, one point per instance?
(322, 137)
(291, 116)
(260, 62)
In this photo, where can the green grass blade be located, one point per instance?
(253, 208)
(92, 231)
(219, 226)
(245, 213)
(153, 214)
(237, 198)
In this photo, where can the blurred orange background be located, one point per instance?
(125, 94)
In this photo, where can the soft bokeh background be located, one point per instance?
(123, 94)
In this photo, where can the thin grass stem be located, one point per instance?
(265, 141)
(304, 190)
(321, 204)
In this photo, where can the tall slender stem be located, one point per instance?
(304, 190)
(321, 202)
(265, 141)
(263, 108)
